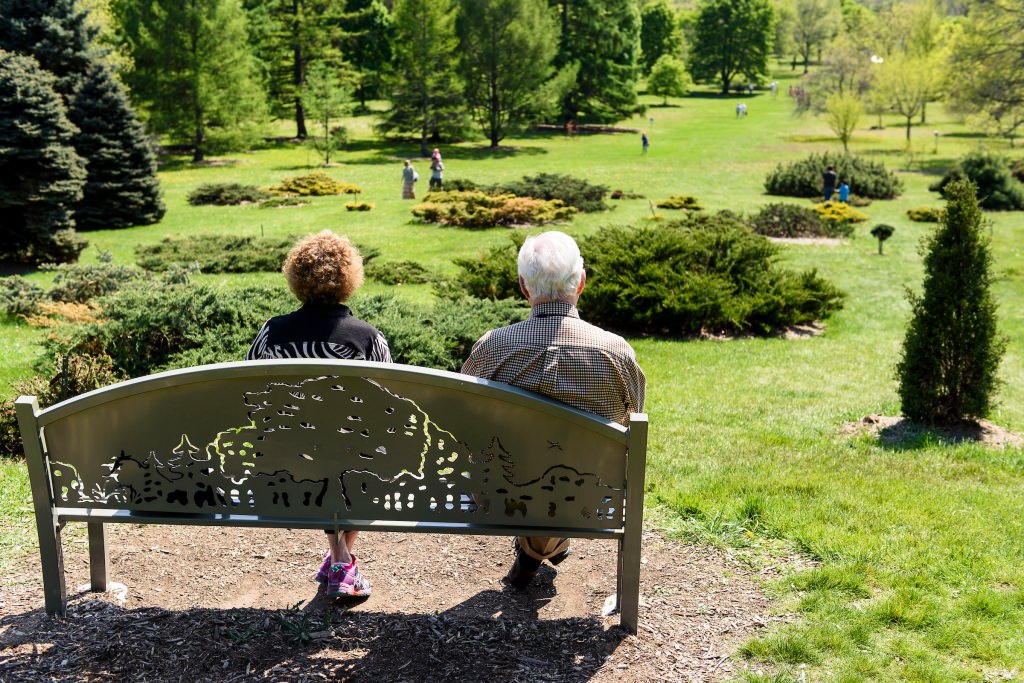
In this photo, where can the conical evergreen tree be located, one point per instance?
(122, 189)
(41, 176)
(56, 33)
(952, 349)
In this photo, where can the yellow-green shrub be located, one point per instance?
(924, 214)
(838, 213)
(480, 209)
(358, 206)
(316, 184)
(685, 201)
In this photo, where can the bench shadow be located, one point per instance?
(495, 635)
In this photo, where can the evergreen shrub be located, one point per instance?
(460, 185)
(624, 194)
(280, 202)
(803, 178)
(492, 275)
(838, 217)
(704, 273)
(575, 192)
(997, 188)
(80, 283)
(482, 209)
(924, 214)
(358, 206)
(19, 297)
(316, 184)
(399, 273)
(216, 253)
(226, 194)
(789, 220)
(685, 201)
(952, 348)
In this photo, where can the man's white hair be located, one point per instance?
(551, 266)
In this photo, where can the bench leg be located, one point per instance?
(52, 556)
(629, 582)
(99, 557)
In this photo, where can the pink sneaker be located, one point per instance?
(347, 581)
(321, 575)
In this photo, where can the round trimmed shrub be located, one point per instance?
(803, 178)
(998, 189)
(789, 220)
(685, 202)
(226, 194)
(924, 214)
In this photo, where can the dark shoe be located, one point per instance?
(560, 557)
(523, 570)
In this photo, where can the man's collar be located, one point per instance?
(554, 308)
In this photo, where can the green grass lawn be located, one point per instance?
(916, 550)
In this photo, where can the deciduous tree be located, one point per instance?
(843, 111)
(668, 78)
(733, 38)
(814, 23)
(660, 34)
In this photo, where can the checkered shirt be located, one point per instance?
(556, 354)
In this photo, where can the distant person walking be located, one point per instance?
(409, 178)
(844, 192)
(436, 172)
(828, 183)
(645, 142)
(741, 110)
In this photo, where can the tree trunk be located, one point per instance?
(924, 106)
(908, 129)
(300, 114)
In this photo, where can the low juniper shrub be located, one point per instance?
(226, 194)
(802, 178)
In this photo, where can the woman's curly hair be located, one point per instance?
(323, 269)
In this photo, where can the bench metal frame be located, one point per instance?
(322, 444)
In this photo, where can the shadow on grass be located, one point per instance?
(494, 635)
(15, 268)
(902, 434)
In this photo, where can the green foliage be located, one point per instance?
(121, 187)
(58, 34)
(358, 206)
(480, 209)
(146, 329)
(194, 72)
(998, 189)
(722, 26)
(668, 78)
(70, 376)
(460, 185)
(952, 349)
(882, 232)
(491, 275)
(683, 201)
(41, 176)
(317, 184)
(281, 202)
(63, 246)
(19, 297)
(325, 98)
(660, 34)
(216, 253)
(803, 178)
(601, 40)
(704, 273)
(399, 273)
(575, 192)
(507, 47)
(789, 220)
(225, 194)
(424, 86)
(438, 337)
(925, 214)
(81, 283)
(838, 217)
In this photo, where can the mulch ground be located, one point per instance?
(212, 604)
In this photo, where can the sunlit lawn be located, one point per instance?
(918, 548)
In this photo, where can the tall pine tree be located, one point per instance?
(947, 371)
(194, 72)
(122, 189)
(57, 33)
(603, 38)
(425, 89)
(368, 28)
(41, 177)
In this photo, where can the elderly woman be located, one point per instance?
(323, 271)
(409, 178)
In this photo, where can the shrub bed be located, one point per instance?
(215, 253)
(317, 184)
(226, 194)
(399, 273)
(925, 214)
(789, 220)
(803, 178)
(838, 217)
(687, 202)
(482, 209)
(700, 274)
(574, 192)
(281, 202)
(358, 206)
(998, 189)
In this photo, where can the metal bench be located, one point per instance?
(319, 444)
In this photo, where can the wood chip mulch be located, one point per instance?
(212, 604)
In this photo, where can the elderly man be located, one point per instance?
(556, 354)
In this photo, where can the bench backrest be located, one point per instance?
(336, 441)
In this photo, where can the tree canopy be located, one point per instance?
(732, 38)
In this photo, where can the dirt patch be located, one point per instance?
(212, 604)
(895, 429)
